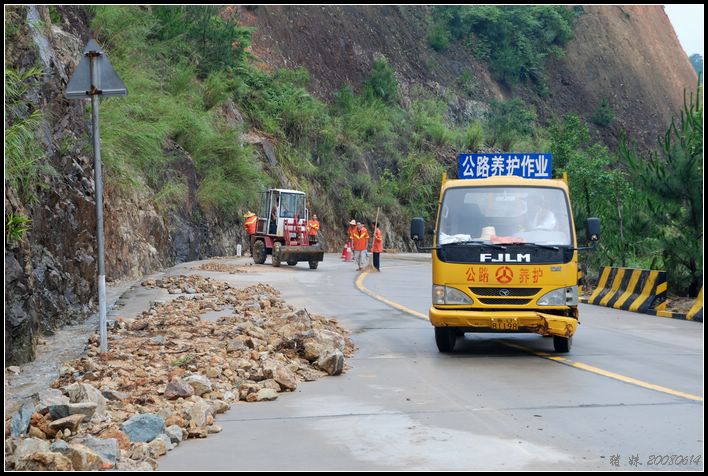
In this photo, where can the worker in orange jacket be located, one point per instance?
(249, 223)
(377, 248)
(313, 227)
(361, 243)
(350, 233)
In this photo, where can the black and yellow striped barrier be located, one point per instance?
(629, 289)
(638, 290)
(696, 311)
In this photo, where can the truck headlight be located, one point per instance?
(560, 297)
(445, 295)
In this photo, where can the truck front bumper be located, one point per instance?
(521, 321)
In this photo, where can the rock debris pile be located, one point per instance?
(168, 373)
(225, 268)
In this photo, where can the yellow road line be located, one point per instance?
(561, 360)
(360, 286)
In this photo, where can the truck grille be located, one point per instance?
(507, 301)
(499, 292)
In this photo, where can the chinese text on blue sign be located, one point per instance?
(477, 166)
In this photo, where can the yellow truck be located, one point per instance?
(504, 255)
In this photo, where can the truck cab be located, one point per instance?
(504, 259)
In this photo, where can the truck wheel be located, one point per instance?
(259, 252)
(313, 264)
(445, 338)
(275, 258)
(562, 344)
(292, 263)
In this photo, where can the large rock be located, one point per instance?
(107, 448)
(199, 413)
(119, 436)
(59, 411)
(330, 339)
(158, 447)
(70, 423)
(84, 459)
(84, 392)
(218, 406)
(49, 397)
(285, 378)
(20, 421)
(143, 427)
(332, 362)
(175, 434)
(266, 394)
(60, 446)
(64, 410)
(114, 395)
(44, 461)
(199, 383)
(28, 446)
(178, 388)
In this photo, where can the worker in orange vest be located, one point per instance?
(313, 227)
(249, 223)
(377, 248)
(350, 233)
(361, 243)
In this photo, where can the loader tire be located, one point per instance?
(275, 259)
(259, 252)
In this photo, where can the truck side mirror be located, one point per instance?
(417, 229)
(593, 229)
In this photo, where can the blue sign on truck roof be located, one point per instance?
(479, 166)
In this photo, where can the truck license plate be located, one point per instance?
(505, 324)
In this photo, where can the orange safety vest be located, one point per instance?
(351, 231)
(313, 226)
(378, 242)
(250, 224)
(361, 239)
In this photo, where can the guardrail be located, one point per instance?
(638, 290)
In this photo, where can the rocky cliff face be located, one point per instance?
(50, 274)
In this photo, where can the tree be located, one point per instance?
(382, 83)
(672, 180)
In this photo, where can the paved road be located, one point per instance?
(631, 388)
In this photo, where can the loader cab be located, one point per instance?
(276, 206)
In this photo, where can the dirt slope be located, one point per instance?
(629, 55)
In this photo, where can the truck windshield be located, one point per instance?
(504, 215)
(292, 204)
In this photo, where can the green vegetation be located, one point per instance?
(182, 361)
(24, 154)
(382, 83)
(673, 183)
(507, 122)
(358, 153)
(600, 189)
(15, 227)
(650, 207)
(168, 102)
(54, 14)
(515, 40)
(603, 115)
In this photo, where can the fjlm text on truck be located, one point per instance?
(504, 252)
